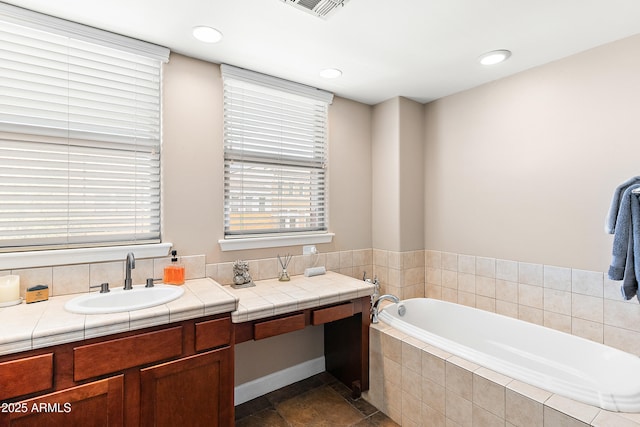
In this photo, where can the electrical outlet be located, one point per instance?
(309, 250)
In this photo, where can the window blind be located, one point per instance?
(79, 134)
(275, 155)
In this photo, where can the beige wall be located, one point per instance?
(398, 175)
(193, 166)
(524, 168)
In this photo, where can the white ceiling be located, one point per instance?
(420, 49)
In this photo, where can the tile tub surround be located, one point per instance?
(400, 273)
(417, 384)
(30, 326)
(578, 302)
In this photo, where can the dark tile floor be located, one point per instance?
(318, 401)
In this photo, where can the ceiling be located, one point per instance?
(420, 49)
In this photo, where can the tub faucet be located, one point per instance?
(129, 265)
(374, 307)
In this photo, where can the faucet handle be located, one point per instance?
(150, 281)
(104, 287)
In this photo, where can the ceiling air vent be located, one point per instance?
(321, 8)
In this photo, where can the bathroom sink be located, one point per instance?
(118, 300)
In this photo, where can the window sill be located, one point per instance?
(15, 260)
(273, 242)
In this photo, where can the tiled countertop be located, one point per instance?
(272, 297)
(30, 326)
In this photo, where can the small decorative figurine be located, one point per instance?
(284, 263)
(241, 276)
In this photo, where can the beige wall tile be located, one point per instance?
(433, 291)
(467, 282)
(449, 279)
(412, 354)
(572, 409)
(531, 314)
(112, 272)
(395, 260)
(484, 418)
(433, 259)
(558, 278)
(587, 307)
(459, 379)
(450, 295)
(467, 298)
(623, 339)
(507, 270)
(380, 258)
(486, 286)
(433, 394)
(556, 418)
(391, 345)
(346, 259)
(432, 417)
(531, 295)
(143, 271)
(194, 266)
(557, 321)
(333, 261)
(557, 301)
(506, 290)
(34, 276)
(486, 303)
(507, 308)
(362, 257)
(433, 276)
(530, 274)
(522, 411)
(467, 264)
(489, 395)
(70, 279)
(622, 314)
(459, 409)
(587, 282)
(433, 368)
(449, 261)
(486, 267)
(593, 331)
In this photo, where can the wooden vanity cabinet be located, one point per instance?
(179, 374)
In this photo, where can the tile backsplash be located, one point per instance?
(579, 302)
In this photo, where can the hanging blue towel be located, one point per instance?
(625, 263)
(610, 222)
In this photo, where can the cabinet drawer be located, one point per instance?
(329, 314)
(119, 354)
(213, 333)
(275, 327)
(25, 376)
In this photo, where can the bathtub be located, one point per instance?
(560, 363)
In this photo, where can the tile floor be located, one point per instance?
(318, 401)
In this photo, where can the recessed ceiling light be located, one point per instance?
(207, 34)
(494, 57)
(330, 73)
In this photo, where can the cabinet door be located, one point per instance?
(98, 403)
(193, 391)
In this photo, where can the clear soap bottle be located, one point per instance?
(174, 272)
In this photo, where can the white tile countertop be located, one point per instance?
(31, 326)
(272, 297)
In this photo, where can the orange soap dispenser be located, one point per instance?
(174, 272)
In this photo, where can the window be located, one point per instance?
(275, 155)
(79, 135)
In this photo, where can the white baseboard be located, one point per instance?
(263, 385)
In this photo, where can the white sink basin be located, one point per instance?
(120, 300)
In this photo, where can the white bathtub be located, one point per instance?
(555, 361)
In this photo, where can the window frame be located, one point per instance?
(263, 150)
(80, 34)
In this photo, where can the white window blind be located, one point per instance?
(79, 134)
(275, 155)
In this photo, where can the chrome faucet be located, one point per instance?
(374, 307)
(129, 265)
